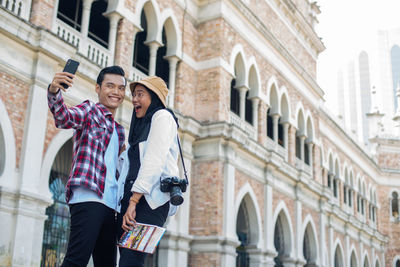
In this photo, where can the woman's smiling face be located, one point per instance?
(141, 100)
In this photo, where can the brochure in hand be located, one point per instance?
(142, 237)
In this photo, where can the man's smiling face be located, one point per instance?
(111, 92)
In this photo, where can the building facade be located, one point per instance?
(274, 179)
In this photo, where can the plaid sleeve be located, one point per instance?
(64, 117)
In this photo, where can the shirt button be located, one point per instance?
(131, 182)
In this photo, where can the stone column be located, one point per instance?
(262, 122)
(292, 144)
(310, 155)
(286, 138)
(275, 120)
(302, 140)
(255, 102)
(242, 93)
(173, 61)
(113, 17)
(87, 5)
(29, 205)
(153, 47)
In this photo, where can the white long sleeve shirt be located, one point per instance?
(158, 158)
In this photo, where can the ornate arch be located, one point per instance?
(246, 194)
(282, 210)
(285, 110)
(152, 11)
(309, 228)
(338, 249)
(353, 257)
(174, 38)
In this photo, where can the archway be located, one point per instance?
(338, 260)
(56, 228)
(353, 260)
(282, 240)
(247, 230)
(310, 247)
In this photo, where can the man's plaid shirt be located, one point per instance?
(93, 128)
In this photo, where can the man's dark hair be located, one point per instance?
(110, 70)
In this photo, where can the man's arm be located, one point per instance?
(64, 117)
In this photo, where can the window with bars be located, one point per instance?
(57, 225)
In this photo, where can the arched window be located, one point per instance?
(2, 152)
(141, 51)
(249, 109)
(56, 227)
(338, 258)
(235, 98)
(243, 233)
(99, 26)
(395, 205)
(353, 260)
(270, 125)
(70, 12)
(309, 247)
(162, 65)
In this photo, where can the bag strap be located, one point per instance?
(183, 162)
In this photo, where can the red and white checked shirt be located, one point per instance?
(93, 128)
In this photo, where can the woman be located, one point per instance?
(151, 154)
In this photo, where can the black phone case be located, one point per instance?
(71, 66)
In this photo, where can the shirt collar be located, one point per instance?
(103, 109)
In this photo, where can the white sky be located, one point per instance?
(344, 25)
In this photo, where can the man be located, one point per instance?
(92, 188)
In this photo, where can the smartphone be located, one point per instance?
(71, 66)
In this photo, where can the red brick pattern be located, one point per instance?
(42, 13)
(14, 93)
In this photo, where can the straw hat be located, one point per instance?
(155, 84)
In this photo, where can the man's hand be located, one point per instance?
(128, 221)
(59, 79)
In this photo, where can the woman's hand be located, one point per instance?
(128, 221)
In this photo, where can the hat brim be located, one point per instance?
(149, 86)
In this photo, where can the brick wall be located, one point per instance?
(42, 13)
(14, 94)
